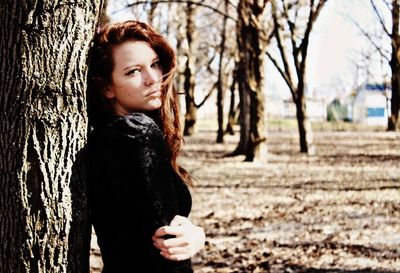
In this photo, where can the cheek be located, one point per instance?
(159, 74)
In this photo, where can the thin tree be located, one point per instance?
(221, 79)
(189, 73)
(291, 31)
(44, 223)
(394, 62)
(233, 109)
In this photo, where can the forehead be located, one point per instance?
(133, 53)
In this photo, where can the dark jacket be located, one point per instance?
(133, 192)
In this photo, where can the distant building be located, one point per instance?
(279, 108)
(372, 105)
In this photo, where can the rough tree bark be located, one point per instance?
(251, 48)
(44, 223)
(189, 82)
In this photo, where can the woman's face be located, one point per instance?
(136, 78)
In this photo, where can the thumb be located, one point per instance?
(179, 220)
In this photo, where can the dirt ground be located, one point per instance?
(336, 211)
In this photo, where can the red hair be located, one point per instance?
(102, 65)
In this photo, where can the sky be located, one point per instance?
(337, 42)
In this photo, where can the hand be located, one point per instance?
(188, 240)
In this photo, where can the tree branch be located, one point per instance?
(370, 39)
(283, 74)
(311, 20)
(380, 18)
(206, 97)
(279, 42)
(292, 26)
(178, 1)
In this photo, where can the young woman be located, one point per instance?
(139, 194)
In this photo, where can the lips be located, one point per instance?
(154, 93)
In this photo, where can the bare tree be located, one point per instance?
(392, 57)
(291, 32)
(221, 79)
(44, 223)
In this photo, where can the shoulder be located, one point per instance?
(135, 126)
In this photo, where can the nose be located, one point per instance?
(152, 76)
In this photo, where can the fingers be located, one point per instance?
(175, 257)
(174, 249)
(163, 244)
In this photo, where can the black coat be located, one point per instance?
(133, 192)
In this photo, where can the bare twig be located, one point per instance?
(178, 1)
(380, 18)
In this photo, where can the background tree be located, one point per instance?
(377, 38)
(104, 18)
(43, 212)
(190, 68)
(394, 121)
(293, 22)
(250, 78)
(394, 62)
(233, 109)
(221, 79)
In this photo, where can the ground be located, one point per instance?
(336, 211)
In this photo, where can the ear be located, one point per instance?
(108, 93)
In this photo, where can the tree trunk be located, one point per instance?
(250, 80)
(221, 81)
(232, 105)
(304, 125)
(244, 111)
(305, 131)
(44, 223)
(394, 122)
(104, 18)
(189, 82)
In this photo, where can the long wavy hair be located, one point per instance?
(99, 77)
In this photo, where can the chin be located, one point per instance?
(155, 105)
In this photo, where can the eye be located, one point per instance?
(156, 65)
(133, 72)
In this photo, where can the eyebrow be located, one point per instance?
(135, 65)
